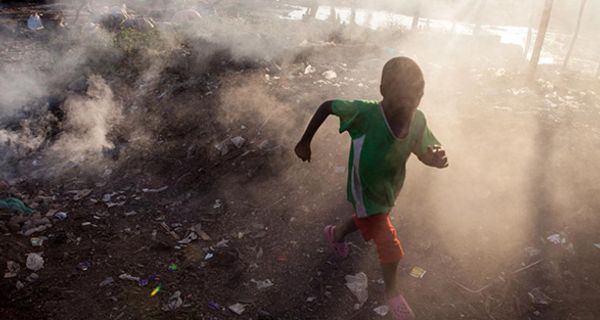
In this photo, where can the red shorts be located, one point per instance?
(379, 228)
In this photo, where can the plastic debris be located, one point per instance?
(84, 265)
(15, 204)
(155, 291)
(218, 204)
(209, 256)
(238, 141)
(38, 241)
(329, 75)
(143, 282)
(237, 308)
(161, 189)
(12, 269)
(35, 22)
(418, 272)
(172, 267)
(61, 215)
(80, 194)
(214, 306)
(309, 69)
(538, 297)
(189, 238)
(557, 239)
(107, 281)
(358, 285)
(130, 213)
(174, 302)
(262, 284)
(382, 310)
(127, 276)
(35, 262)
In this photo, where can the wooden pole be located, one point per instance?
(539, 40)
(575, 34)
(530, 29)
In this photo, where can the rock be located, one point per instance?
(12, 269)
(329, 75)
(35, 262)
(358, 285)
(35, 22)
(237, 308)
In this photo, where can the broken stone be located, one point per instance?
(12, 269)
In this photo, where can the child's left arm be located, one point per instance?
(435, 156)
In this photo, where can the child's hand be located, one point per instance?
(436, 156)
(303, 150)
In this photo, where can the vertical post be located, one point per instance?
(530, 29)
(575, 34)
(416, 16)
(539, 40)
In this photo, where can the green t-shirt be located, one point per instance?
(377, 162)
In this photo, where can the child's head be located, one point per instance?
(402, 83)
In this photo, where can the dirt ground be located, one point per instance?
(522, 159)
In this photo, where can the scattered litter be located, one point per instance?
(358, 285)
(84, 265)
(237, 308)
(538, 297)
(15, 204)
(557, 239)
(35, 262)
(155, 291)
(309, 69)
(218, 204)
(262, 284)
(107, 281)
(174, 302)
(38, 241)
(418, 272)
(238, 141)
(80, 194)
(35, 22)
(161, 189)
(172, 267)
(209, 256)
(214, 306)
(222, 244)
(61, 215)
(190, 237)
(12, 269)
(382, 310)
(168, 230)
(130, 213)
(143, 282)
(127, 276)
(329, 74)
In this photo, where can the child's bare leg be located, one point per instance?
(344, 228)
(389, 278)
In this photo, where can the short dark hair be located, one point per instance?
(403, 74)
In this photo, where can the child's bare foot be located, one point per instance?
(340, 249)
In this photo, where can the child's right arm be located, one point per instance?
(303, 147)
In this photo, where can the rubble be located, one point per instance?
(35, 262)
